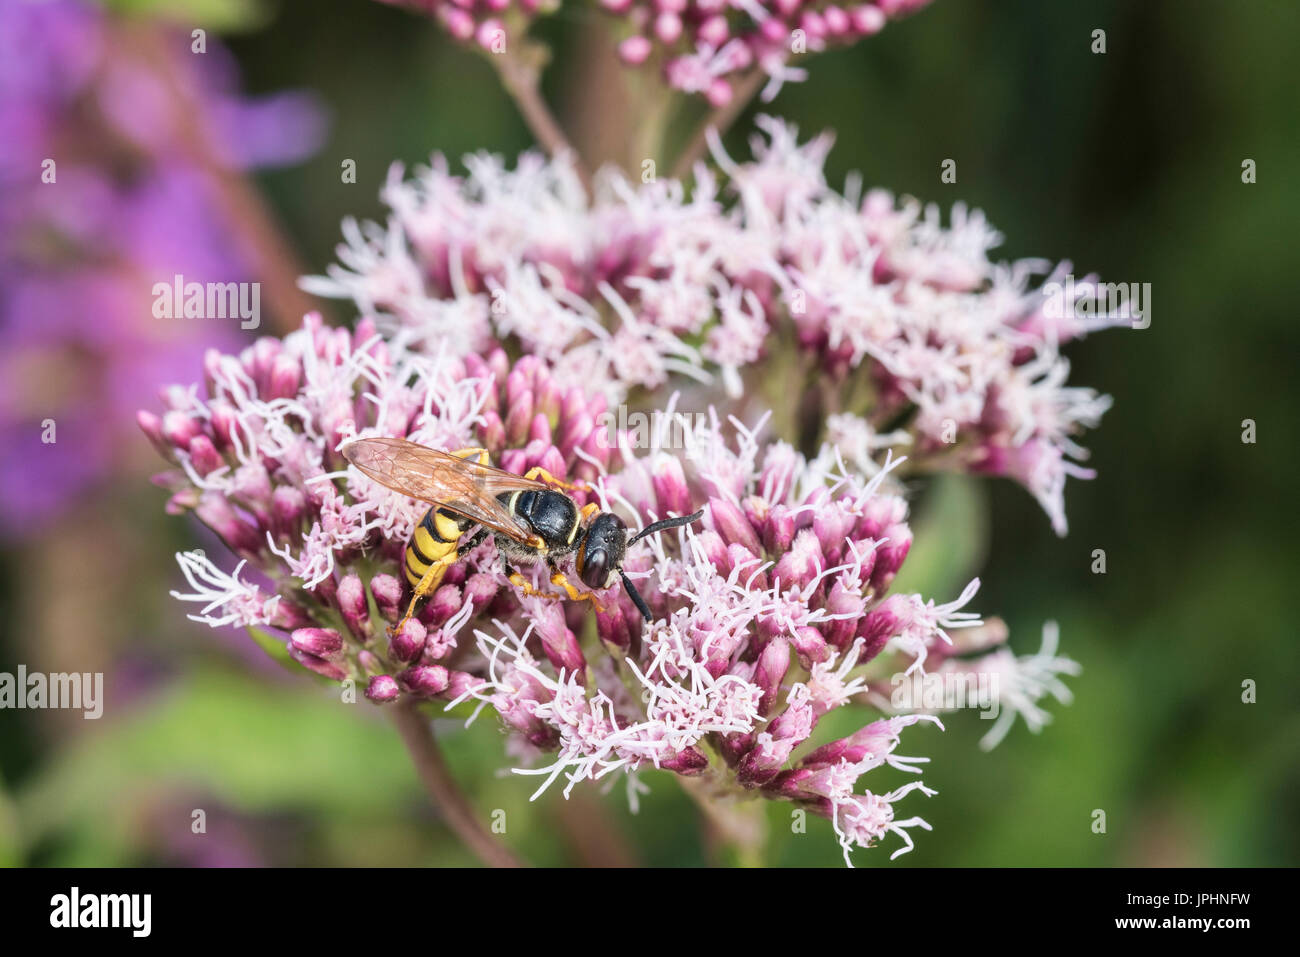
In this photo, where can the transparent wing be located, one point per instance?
(458, 485)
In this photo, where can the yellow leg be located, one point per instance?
(470, 453)
(429, 583)
(589, 511)
(537, 473)
(574, 595)
(523, 585)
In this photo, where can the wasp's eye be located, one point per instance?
(595, 569)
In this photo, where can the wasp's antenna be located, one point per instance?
(665, 523)
(636, 596)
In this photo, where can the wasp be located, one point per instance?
(532, 520)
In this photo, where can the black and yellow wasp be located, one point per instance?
(531, 520)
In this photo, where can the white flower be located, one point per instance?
(235, 602)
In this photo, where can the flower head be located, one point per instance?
(778, 606)
(650, 282)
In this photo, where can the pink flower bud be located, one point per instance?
(812, 23)
(151, 425)
(719, 93)
(388, 595)
(772, 665)
(204, 456)
(321, 642)
(481, 588)
(729, 522)
(519, 418)
(179, 428)
(715, 550)
(288, 506)
(446, 601)
(461, 683)
(774, 31)
(540, 429)
(459, 23)
(837, 21)
(867, 20)
(612, 626)
(668, 27)
(802, 563)
(283, 378)
(714, 31)
(849, 603)
(407, 644)
(424, 680)
(672, 496)
(688, 761)
(878, 626)
(890, 556)
(216, 512)
(810, 646)
(558, 641)
(383, 689)
(319, 665)
(352, 606)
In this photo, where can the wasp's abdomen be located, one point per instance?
(433, 539)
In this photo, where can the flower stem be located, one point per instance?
(417, 734)
(733, 818)
(719, 119)
(521, 80)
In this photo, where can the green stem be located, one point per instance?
(416, 732)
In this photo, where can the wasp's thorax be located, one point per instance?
(552, 515)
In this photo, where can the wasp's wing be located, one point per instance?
(456, 484)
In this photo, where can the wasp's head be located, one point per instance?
(600, 556)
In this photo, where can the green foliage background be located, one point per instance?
(1127, 163)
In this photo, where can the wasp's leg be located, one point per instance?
(470, 453)
(537, 473)
(589, 511)
(428, 584)
(524, 585)
(559, 578)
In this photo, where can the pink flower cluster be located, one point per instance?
(903, 320)
(704, 45)
(700, 46)
(487, 23)
(773, 612)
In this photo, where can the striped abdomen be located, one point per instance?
(434, 538)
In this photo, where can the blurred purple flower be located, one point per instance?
(130, 205)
